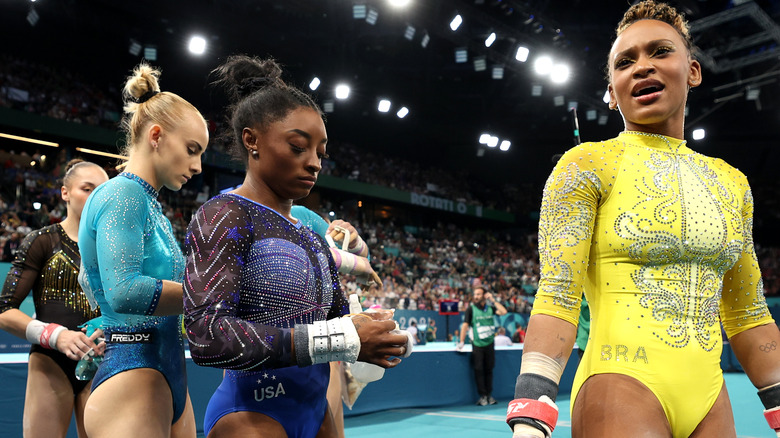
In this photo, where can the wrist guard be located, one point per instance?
(326, 341)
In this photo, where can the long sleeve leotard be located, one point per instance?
(659, 238)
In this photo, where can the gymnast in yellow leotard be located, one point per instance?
(659, 240)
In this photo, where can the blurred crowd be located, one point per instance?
(420, 264)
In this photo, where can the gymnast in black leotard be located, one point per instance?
(47, 263)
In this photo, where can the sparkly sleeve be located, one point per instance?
(566, 219)
(743, 305)
(119, 227)
(218, 241)
(25, 269)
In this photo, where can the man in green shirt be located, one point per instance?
(479, 318)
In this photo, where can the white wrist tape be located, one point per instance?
(34, 331)
(360, 245)
(541, 364)
(334, 340)
(43, 333)
(524, 430)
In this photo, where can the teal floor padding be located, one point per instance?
(488, 421)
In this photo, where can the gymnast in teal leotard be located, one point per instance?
(132, 267)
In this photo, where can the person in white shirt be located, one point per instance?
(501, 339)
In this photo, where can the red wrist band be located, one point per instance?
(46, 335)
(773, 417)
(534, 409)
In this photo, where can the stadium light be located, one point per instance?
(342, 91)
(409, 32)
(490, 39)
(314, 83)
(505, 145)
(492, 141)
(606, 97)
(522, 54)
(372, 16)
(543, 65)
(197, 45)
(425, 40)
(403, 112)
(484, 138)
(498, 72)
(461, 55)
(384, 106)
(559, 73)
(399, 3)
(698, 134)
(456, 22)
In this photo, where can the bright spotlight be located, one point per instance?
(492, 141)
(342, 91)
(314, 83)
(403, 112)
(456, 22)
(606, 96)
(543, 65)
(560, 73)
(197, 45)
(505, 145)
(484, 138)
(37, 205)
(490, 40)
(399, 3)
(698, 134)
(522, 54)
(384, 106)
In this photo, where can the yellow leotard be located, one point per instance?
(659, 238)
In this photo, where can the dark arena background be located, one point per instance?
(438, 153)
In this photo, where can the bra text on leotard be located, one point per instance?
(620, 353)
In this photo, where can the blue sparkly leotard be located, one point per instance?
(127, 249)
(659, 238)
(251, 276)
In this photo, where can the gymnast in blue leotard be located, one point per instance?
(133, 267)
(261, 289)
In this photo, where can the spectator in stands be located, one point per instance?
(412, 329)
(11, 246)
(502, 339)
(430, 331)
(479, 319)
(133, 268)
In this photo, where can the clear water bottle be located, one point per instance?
(362, 371)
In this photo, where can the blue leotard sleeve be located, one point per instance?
(216, 313)
(115, 220)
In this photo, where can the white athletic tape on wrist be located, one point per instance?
(43, 333)
(34, 331)
(333, 340)
(541, 364)
(360, 245)
(524, 430)
(544, 411)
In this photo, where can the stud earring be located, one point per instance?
(154, 144)
(255, 154)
